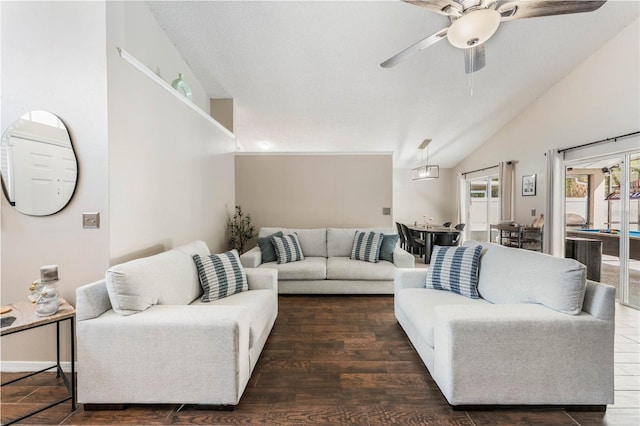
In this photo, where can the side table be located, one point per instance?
(26, 319)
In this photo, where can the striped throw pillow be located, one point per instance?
(221, 275)
(287, 248)
(455, 269)
(366, 246)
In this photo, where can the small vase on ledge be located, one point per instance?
(180, 85)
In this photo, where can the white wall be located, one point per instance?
(149, 44)
(315, 191)
(597, 100)
(158, 173)
(171, 171)
(434, 198)
(53, 59)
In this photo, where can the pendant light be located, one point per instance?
(425, 171)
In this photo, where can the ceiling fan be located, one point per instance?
(473, 22)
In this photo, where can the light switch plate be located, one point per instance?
(91, 220)
(533, 212)
(386, 211)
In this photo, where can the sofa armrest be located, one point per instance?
(262, 278)
(600, 300)
(402, 258)
(251, 258)
(183, 353)
(524, 353)
(409, 278)
(92, 300)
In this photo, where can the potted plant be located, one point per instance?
(240, 230)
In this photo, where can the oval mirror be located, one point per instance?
(38, 166)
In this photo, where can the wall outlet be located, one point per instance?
(386, 211)
(533, 212)
(91, 220)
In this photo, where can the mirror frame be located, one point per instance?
(46, 130)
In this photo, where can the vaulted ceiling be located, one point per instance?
(305, 76)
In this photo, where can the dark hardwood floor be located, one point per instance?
(330, 360)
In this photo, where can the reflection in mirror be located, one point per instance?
(38, 165)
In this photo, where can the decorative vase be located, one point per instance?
(180, 85)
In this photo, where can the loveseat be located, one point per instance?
(327, 267)
(538, 333)
(145, 336)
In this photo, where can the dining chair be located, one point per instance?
(447, 224)
(460, 227)
(446, 239)
(415, 244)
(403, 240)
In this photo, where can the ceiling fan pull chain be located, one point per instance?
(473, 56)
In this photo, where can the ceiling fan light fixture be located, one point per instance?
(474, 28)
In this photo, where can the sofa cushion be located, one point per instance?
(366, 246)
(311, 268)
(388, 246)
(454, 269)
(509, 275)
(419, 304)
(221, 275)
(268, 251)
(168, 278)
(312, 241)
(340, 240)
(262, 305)
(345, 268)
(287, 248)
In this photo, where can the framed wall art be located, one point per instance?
(528, 185)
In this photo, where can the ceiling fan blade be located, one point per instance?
(474, 59)
(443, 7)
(536, 8)
(415, 48)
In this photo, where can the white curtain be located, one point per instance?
(553, 232)
(461, 196)
(506, 178)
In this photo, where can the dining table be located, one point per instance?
(427, 234)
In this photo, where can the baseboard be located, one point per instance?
(30, 366)
(569, 407)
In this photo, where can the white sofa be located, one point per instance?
(163, 345)
(327, 267)
(516, 345)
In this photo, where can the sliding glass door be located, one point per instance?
(630, 217)
(483, 207)
(602, 205)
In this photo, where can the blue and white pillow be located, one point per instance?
(366, 246)
(388, 246)
(221, 275)
(287, 248)
(266, 247)
(455, 269)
